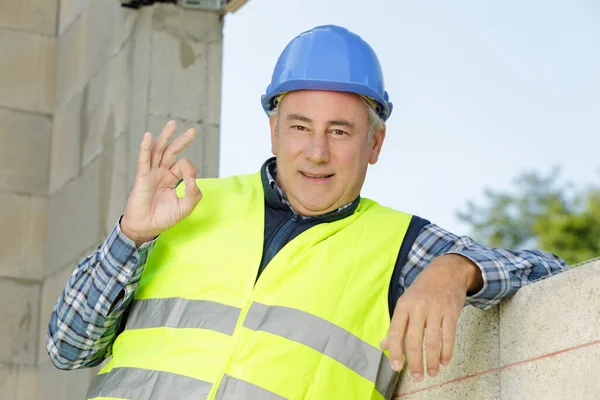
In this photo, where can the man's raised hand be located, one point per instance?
(153, 205)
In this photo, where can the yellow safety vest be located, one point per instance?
(201, 325)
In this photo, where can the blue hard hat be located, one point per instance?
(332, 58)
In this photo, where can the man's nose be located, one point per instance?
(317, 149)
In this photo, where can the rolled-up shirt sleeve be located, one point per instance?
(85, 319)
(503, 271)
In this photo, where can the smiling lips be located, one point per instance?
(320, 177)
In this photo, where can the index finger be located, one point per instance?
(395, 338)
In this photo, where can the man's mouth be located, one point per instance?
(316, 176)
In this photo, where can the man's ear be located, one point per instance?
(376, 144)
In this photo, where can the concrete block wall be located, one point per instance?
(28, 47)
(80, 83)
(543, 343)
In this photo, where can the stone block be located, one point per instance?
(552, 315)
(212, 137)
(25, 152)
(214, 74)
(22, 245)
(477, 349)
(55, 384)
(195, 150)
(107, 105)
(52, 288)
(19, 315)
(65, 159)
(18, 382)
(27, 71)
(196, 25)
(14, 212)
(485, 386)
(569, 375)
(116, 189)
(34, 259)
(69, 10)
(89, 43)
(177, 75)
(74, 219)
(181, 46)
(139, 87)
(30, 15)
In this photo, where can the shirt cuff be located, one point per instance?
(124, 239)
(124, 264)
(123, 255)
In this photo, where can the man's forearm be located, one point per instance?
(506, 271)
(85, 318)
(503, 272)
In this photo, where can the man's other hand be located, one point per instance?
(429, 309)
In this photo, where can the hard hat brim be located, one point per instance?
(305, 84)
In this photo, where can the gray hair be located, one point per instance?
(376, 123)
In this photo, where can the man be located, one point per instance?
(281, 284)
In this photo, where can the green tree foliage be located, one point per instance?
(542, 213)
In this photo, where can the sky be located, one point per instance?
(482, 91)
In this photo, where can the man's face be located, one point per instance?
(322, 148)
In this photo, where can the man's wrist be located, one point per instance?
(138, 240)
(469, 272)
(473, 275)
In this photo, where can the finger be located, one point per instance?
(394, 341)
(384, 344)
(433, 336)
(143, 165)
(448, 338)
(414, 344)
(161, 143)
(173, 150)
(183, 169)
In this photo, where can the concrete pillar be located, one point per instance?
(28, 46)
(80, 83)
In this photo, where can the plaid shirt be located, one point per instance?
(86, 318)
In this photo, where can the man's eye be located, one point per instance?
(298, 128)
(339, 132)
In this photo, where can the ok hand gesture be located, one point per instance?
(153, 205)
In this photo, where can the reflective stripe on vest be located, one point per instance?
(182, 313)
(323, 336)
(237, 389)
(133, 383)
(326, 338)
(145, 384)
